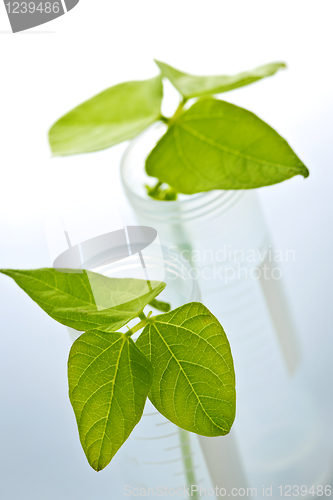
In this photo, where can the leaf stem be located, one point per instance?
(169, 121)
(144, 321)
(164, 119)
(142, 315)
(178, 112)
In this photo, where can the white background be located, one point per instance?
(48, 70)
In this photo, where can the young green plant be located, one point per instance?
(208, 143)
(181, 360)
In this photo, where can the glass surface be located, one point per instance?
(279, 435)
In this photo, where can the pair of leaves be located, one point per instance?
(213, 145)
(182, 359)
(123, 111)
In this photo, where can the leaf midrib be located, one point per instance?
(113, 384)
(185, 161)
(94, 359)
(197, 334)
(124, 339)
(215, 144)
(33, 278)
(184, 373)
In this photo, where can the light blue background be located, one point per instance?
(43, 76)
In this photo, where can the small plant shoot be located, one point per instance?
(208, 143)
(182, 359)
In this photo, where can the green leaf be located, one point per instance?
(117, 114)
(68, 297)
(217, 145)
(193, 373)
(193, 86)
(109, 379)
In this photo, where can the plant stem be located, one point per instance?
(164, 119)
(154, 191)
(178, 112)
(144, 321)
(142, 315)
(169, 121)
(187, 459)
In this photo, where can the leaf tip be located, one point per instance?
(96, 467)
(98, 463)
(305, 172)
(160, 65)
(50, 140)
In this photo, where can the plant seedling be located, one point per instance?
(208, 144)
(181, 360)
